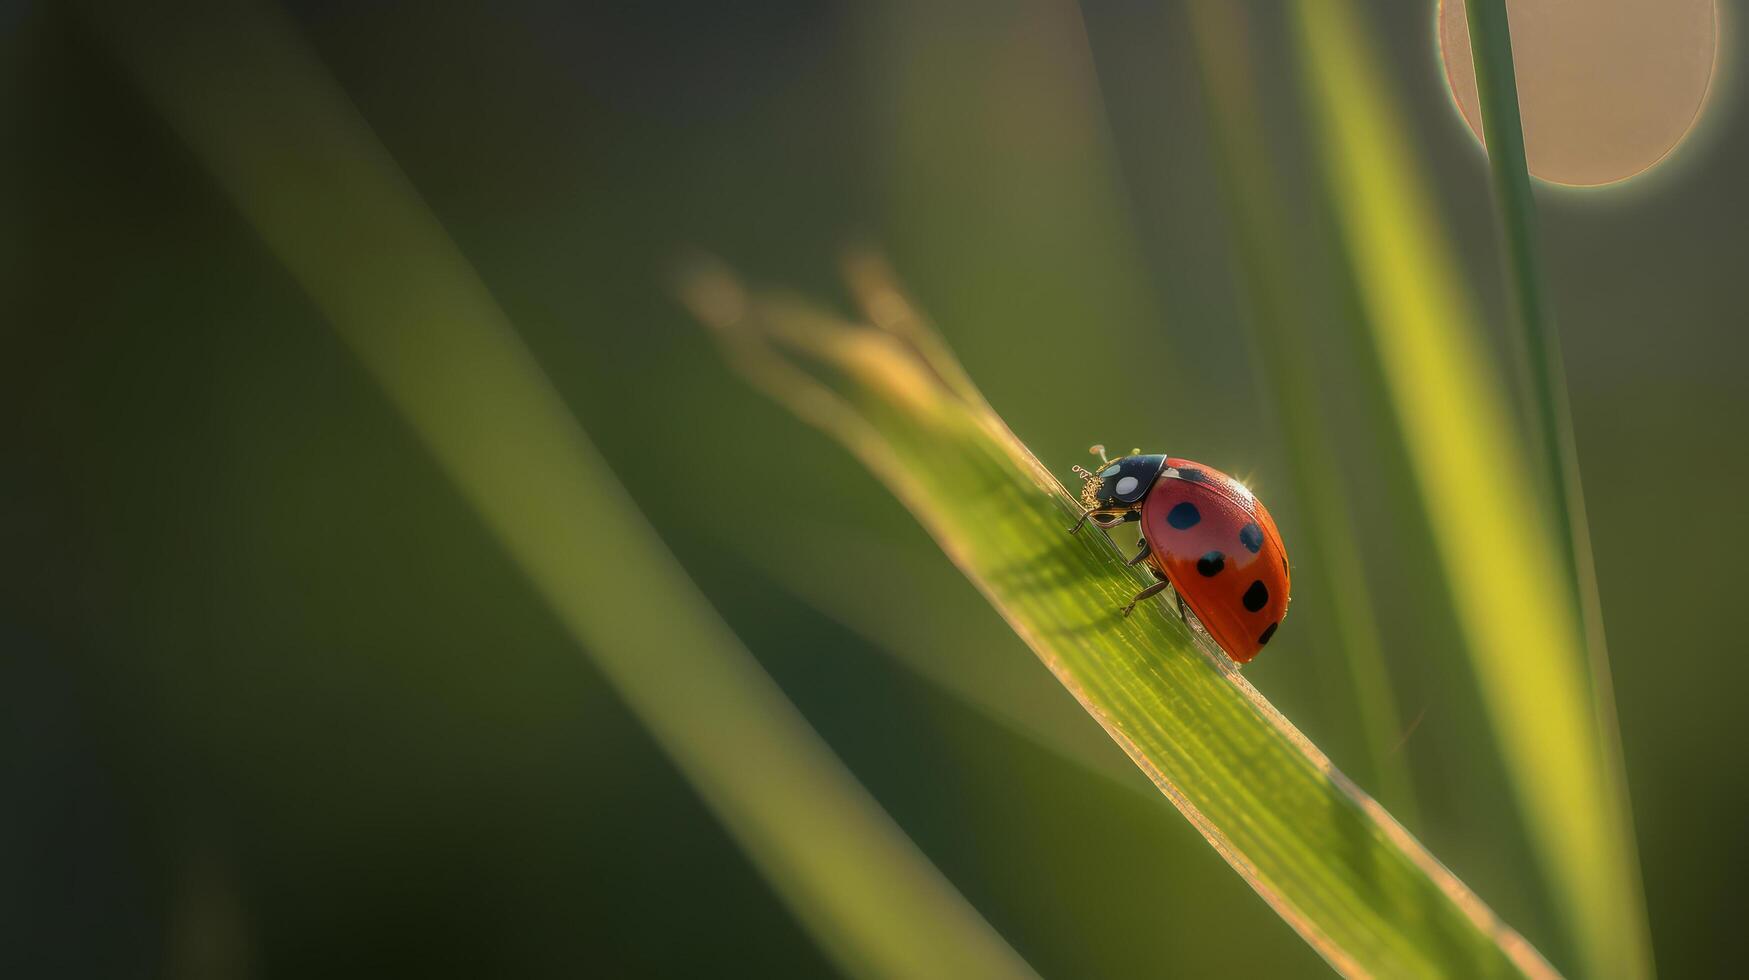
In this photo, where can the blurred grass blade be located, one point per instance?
(259, 111)
(1325, 856)
(1544, 379)
(934, 639)
(986, 103)
(1287, 367)
(1502, 564)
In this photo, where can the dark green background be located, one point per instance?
(277, 704)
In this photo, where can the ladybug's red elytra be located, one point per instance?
(1205, 535)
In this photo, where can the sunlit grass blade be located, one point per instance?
(1519, 628)
(1325, 856)
(1287, 367)
(1543, 376)
(258, 110)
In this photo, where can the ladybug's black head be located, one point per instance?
(1123, 481)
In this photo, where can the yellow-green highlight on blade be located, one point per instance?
(1324, 856)
(259, 111)
(1524, 642)
(1543, 378)
(1248, 188)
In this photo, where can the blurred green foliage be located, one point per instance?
(281, 705)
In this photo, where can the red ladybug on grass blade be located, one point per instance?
(1204, 534)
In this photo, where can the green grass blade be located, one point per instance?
(259, 111)
(1324, 856)
(1543, 376)
(1526, 645)
(1286, 367)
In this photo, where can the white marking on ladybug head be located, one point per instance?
(1127, 486)
(1110, 470)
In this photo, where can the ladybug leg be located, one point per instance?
(1077, 528)
(1140, 555)
(1106, 518)
(1180, 600)
(1151, 590)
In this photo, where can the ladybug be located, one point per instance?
(1204, 534)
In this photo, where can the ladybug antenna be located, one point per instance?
(1100, 452)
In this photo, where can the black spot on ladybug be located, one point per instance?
(1251, 536)
(1256, 597)
(1194, 476)
(1263, 640)
(1184, 516)
(1211, 564)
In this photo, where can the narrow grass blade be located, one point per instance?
(1503, 565)
(1286, 364)
(1544, 380)
(1324, 855)
(284, 143)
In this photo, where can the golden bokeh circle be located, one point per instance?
(1606, 88)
